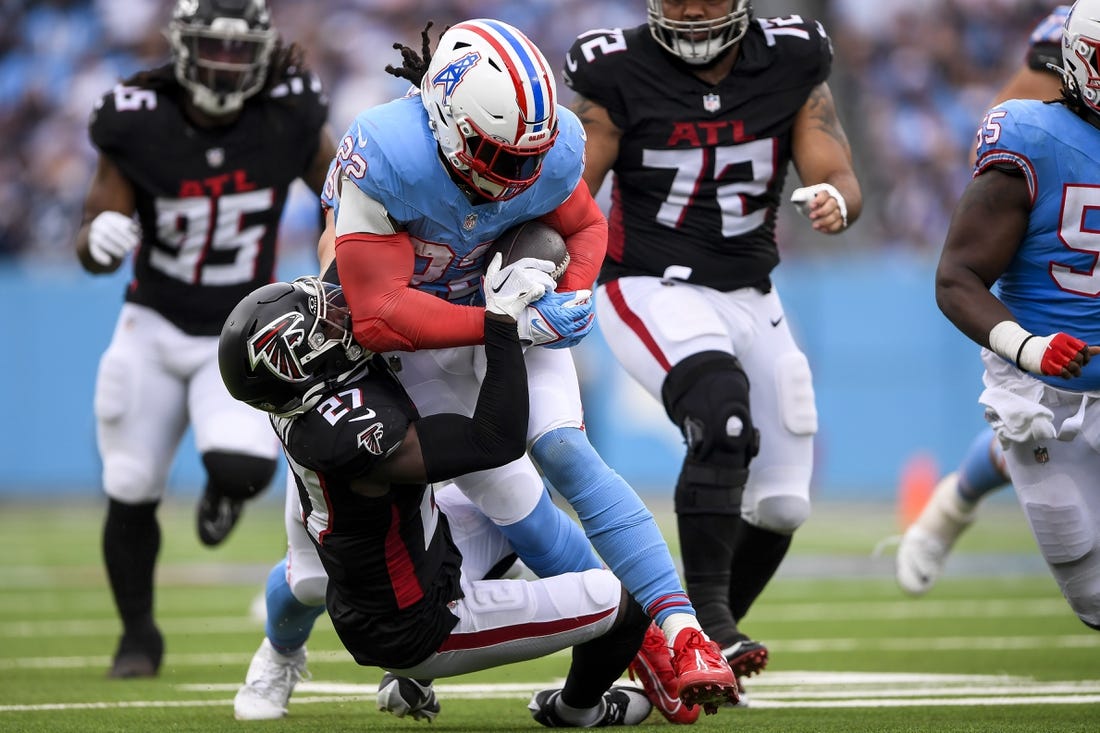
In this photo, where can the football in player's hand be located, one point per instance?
(532, 239)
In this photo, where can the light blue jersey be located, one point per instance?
(390, 154)
(1053, 281)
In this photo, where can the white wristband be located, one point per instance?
(801, 197)
(1019, 346)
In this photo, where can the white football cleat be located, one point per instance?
(928, 541)
(271, 678)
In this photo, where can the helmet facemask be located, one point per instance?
(698, 42)
(497, 169)
(220, 60)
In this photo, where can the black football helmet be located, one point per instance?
(285, 343)
(221, 49)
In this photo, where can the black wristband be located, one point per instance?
(1020, 351)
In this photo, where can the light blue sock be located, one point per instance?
(289, 621)
(980, 471)
(615, 519)
(549, 542)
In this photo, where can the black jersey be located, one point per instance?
(700, 168)
(209, 200)
(392, 564)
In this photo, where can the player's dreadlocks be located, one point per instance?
(413, 66)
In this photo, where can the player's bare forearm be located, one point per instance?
(109, 191)
(821, 152)
(988, 224)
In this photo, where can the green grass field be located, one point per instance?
(992, 648)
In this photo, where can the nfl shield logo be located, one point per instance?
(215, 157)
(470, 222)
(711, 102)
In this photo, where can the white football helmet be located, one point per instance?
(221, 50)
(491, 103)
(1080, 60)
(698, 41)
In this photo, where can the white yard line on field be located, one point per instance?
(788, 690)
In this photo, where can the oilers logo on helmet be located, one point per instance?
(451, 75)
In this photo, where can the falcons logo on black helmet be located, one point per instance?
(274, 346)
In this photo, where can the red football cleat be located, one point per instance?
(653, 668)
(705, 676)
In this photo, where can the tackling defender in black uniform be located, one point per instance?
(404, 589)
(203, 150)
(699, 113)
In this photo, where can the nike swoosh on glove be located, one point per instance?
(509, 290)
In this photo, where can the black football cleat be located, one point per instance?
(216, 517)
(138, 655)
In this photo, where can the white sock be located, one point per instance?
(676, 623)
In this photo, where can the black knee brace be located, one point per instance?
(707, 396)
(236, 475)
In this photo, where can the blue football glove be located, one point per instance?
(558, 320)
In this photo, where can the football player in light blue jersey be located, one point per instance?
(1018, 275)
(419, 190)
(953, 503)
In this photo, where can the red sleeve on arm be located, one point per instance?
(387, 313)
(584, 227)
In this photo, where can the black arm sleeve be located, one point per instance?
(497, 433)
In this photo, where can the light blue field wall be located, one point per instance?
(893, 379)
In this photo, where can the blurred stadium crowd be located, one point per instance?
(912, 80)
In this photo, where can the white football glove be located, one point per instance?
(112, 236)
(509, 290)
(803, 197)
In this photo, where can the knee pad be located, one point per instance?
(781, 514)
(130, 481)
(237, 475)
(1065, 537)
(707, 397)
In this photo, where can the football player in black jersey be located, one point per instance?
(203, 151)
(698, 114)
(405, 589)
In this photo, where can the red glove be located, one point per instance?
(1059, 352)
